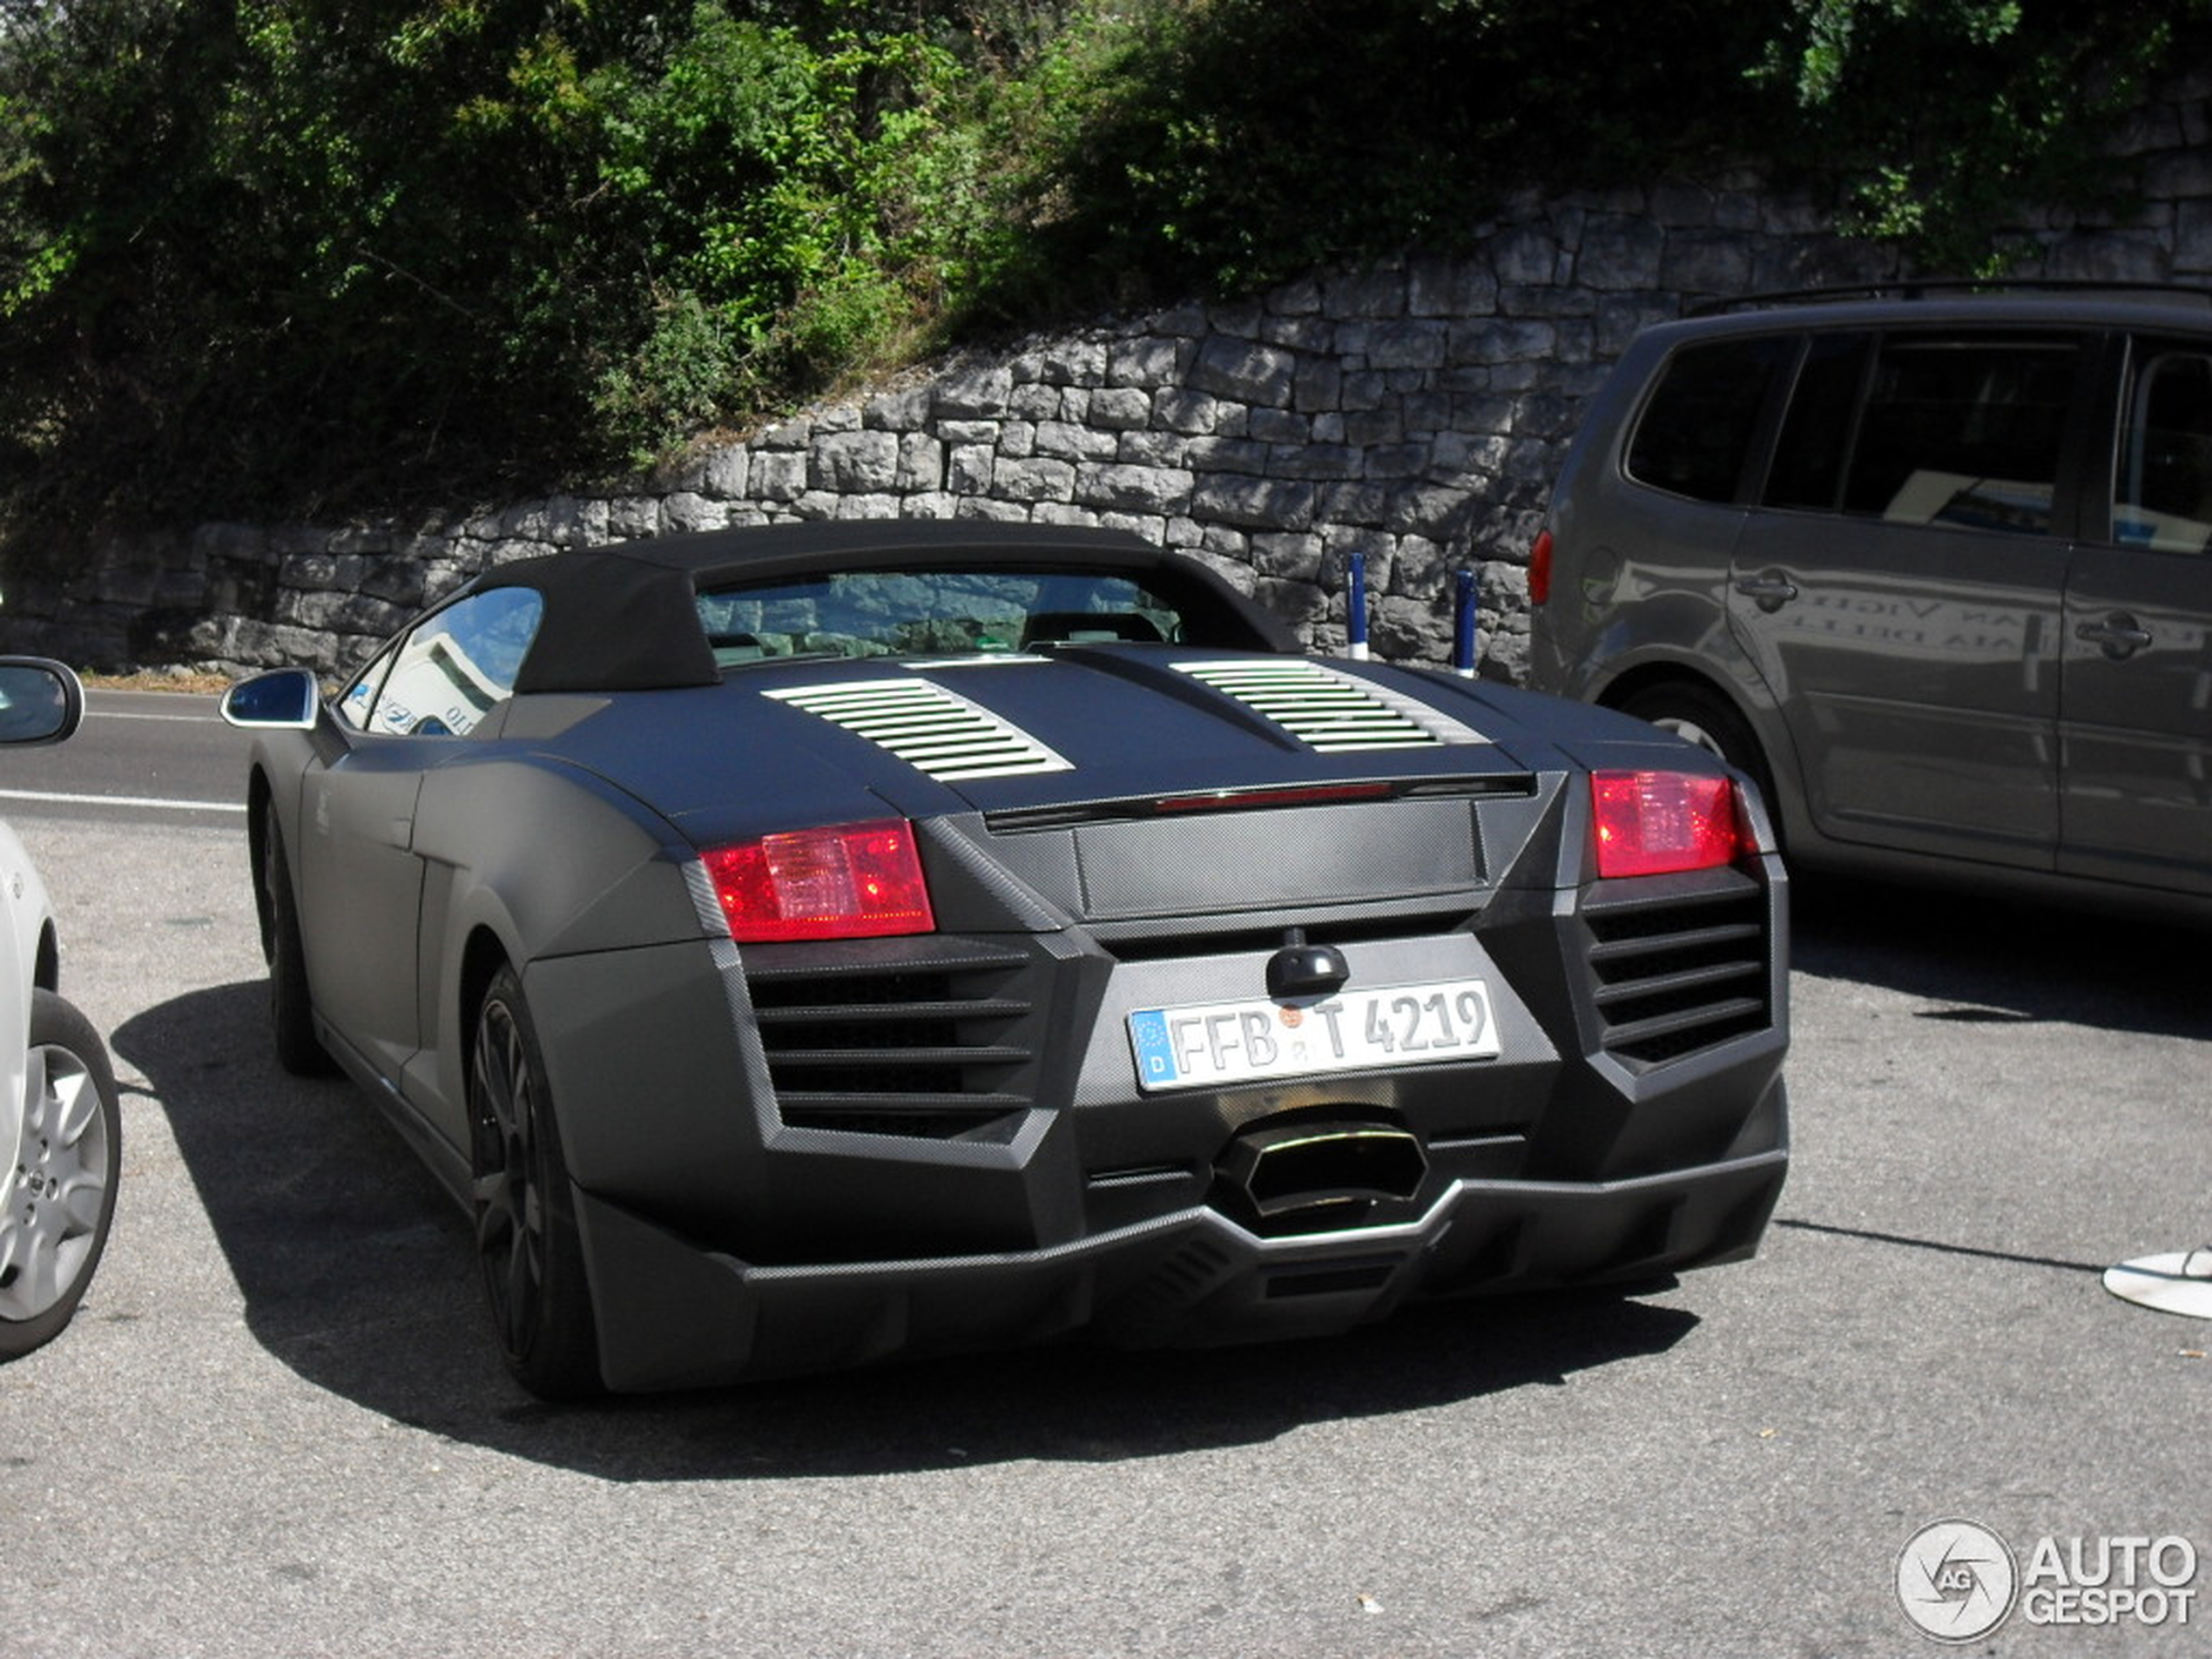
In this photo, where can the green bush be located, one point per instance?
(1229, 144)
(260, 256)
(278, 254)
(1936, 120)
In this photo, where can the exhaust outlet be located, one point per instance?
(1293, 1167)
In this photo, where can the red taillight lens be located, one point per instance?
(1539, 568)
(1653, 823)
(846, 882)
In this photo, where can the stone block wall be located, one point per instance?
(1414, 412)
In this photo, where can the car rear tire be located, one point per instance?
(59, 1194)
(527, 1241)
(1710, 721)
(292, 1012)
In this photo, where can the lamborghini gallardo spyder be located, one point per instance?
(805, 945)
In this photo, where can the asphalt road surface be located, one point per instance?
(144, 757)
(278, 1426)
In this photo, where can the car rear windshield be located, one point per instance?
(932, 612)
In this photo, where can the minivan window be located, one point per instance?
(1694, 433)
(1815, 443)
(1963, 432)
(2162, 496)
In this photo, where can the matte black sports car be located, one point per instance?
(807, 945)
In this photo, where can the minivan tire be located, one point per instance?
(1709, 720)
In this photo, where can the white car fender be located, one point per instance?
(23, 916)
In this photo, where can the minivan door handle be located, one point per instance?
(1769, 590)
(2119, 634)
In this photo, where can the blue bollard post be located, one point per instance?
(1464, 625)
(1355, 603)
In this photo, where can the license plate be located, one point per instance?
(1234, 1042)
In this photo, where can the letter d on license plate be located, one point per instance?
(1201, 1043)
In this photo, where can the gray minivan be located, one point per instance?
(1932, 570)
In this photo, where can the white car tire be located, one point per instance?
(59, 1195)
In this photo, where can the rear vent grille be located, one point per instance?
(1327, 710)
(935, 731)
(936, 1045)
(1680, 971)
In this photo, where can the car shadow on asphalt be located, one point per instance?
(2000, 960)
(357, 1274)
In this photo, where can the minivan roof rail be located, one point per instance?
(1934, 287)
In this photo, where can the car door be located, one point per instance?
(361, 877)
(1899, 585)
(2135, 721)
(360, 891)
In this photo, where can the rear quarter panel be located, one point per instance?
(528, 859)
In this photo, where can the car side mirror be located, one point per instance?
(40, 701)
(284, 698)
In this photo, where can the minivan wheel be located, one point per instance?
(1708, 720)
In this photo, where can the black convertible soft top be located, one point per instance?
(624, 617)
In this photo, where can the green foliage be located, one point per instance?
(259, 254)
(1229, 142)
(1939, 118)
(270, 255)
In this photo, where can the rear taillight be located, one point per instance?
(1539, 568)
(1654, 823)
(844, 881)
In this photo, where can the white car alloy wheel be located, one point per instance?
(60, 1183)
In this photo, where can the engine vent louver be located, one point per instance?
(935, 730)
(927, 1038)
(1679, 971)
(1327, 710)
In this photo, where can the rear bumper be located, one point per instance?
(673, 1316)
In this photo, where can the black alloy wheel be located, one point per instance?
(527, 1243)
(292, 1013)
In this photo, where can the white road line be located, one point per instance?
(54, 800)
(118, 714)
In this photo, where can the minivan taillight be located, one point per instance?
(1656, 822)
(842, 882)
(1539, 568)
